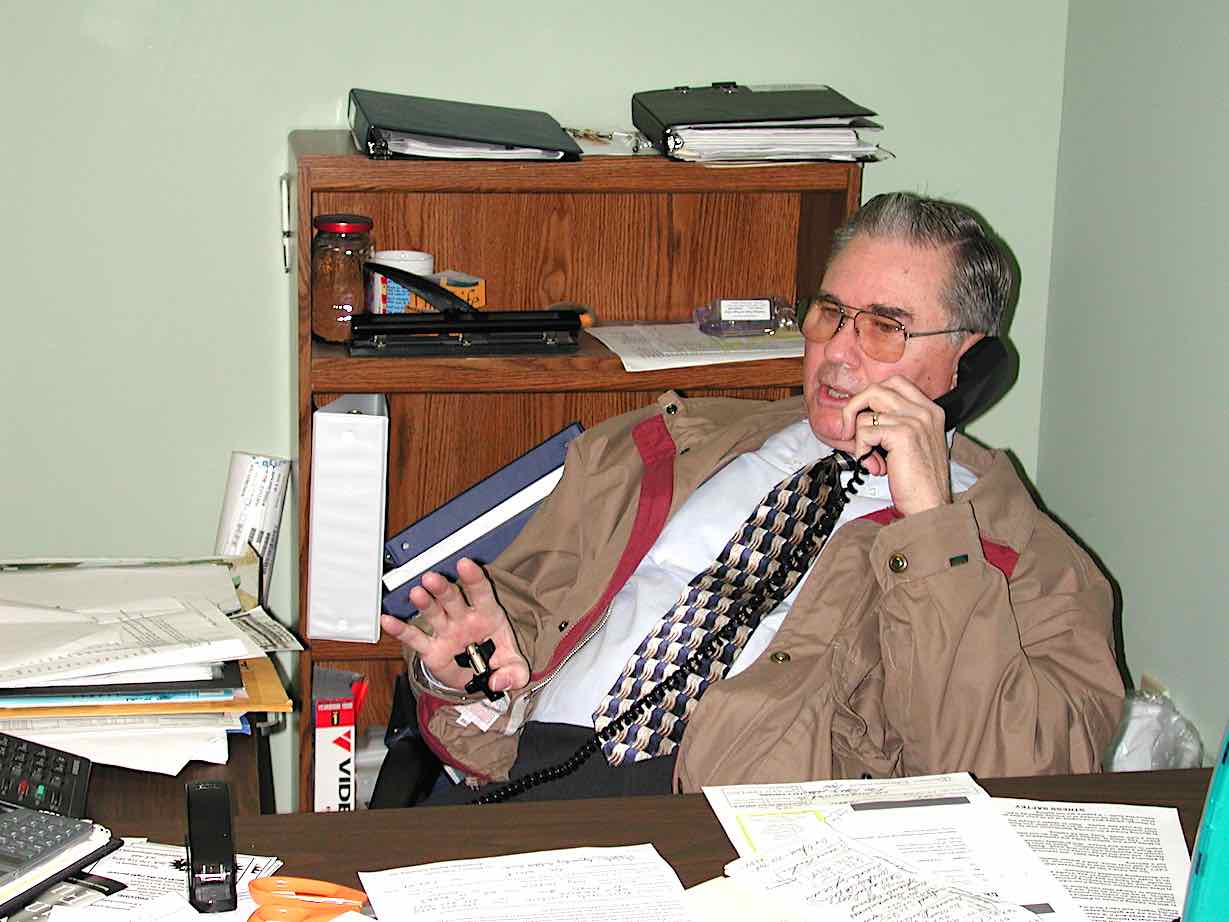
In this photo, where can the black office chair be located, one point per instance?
(410, 769)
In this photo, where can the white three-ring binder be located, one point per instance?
(346, 534)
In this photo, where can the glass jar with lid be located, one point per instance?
(341, 245)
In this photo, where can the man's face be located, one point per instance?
(907, 281)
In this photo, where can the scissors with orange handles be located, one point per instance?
(301, 899)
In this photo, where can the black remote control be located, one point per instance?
(42, 777)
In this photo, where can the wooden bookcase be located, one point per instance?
(638, 239)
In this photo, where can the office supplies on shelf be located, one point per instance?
(745, 316)
(456, 327)
(345, 560)
(386, 125)
(38, 849)
(478, 523)
(467, 333)
(730, 121)
(651, 346)
(252, 510)
(42, 777)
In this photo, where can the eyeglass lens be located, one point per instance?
(882, 338)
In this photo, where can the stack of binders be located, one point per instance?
(478, 523)
(729, 121)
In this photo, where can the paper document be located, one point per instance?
(141, 634)
(648, 347)
(82, 586)
(1120, 863)
(265, 631)
(945, 825)
(829, 872)
(591, 884)
(726, 899)
(151, 871)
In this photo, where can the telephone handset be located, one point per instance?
(981, 377)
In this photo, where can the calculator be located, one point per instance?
(28, 838)
(42, 777)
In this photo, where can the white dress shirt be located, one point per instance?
(687, 545)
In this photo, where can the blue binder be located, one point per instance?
(459, 511)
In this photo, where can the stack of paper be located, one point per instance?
(881, 849)
(648, 347)
(165, 645)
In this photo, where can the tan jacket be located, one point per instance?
(975, 636)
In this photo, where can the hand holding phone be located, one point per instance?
(910, 446)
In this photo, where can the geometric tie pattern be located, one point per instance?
(758, 567)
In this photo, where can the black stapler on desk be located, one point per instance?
(458, 328)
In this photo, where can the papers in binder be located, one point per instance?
(421, 145)
(766, 141)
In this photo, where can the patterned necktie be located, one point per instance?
(759, 566)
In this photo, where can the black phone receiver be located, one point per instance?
(981, 377)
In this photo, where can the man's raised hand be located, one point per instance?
(452, 615)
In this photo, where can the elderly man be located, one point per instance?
(713, 556)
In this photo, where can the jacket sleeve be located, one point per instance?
(533, 579)
(995, 662)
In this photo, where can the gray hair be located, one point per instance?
(983, 274)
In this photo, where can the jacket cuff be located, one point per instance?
(926, 544)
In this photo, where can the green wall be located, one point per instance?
(146, 309)
(1133, 419)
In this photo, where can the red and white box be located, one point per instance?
(336, 782)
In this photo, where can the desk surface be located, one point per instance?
(335, 846)
(125, 800)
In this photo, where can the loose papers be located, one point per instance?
(943, 826)
(647, 347)
(593, 884)
(1120, 863)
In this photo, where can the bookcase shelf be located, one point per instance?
(638, 239)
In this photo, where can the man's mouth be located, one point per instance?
(833, 393)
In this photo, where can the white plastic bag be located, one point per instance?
(1152, 735)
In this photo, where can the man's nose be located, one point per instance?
(843, 348)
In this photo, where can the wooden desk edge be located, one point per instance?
(683, 829)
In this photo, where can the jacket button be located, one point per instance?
(780, 657)
(898, 563)
(671, 409)
(563, 626)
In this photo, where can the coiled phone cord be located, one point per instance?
(742, 615)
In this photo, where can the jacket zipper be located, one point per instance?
(596, 627)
